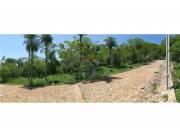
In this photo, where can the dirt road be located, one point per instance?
(131, 86)
(63, 93)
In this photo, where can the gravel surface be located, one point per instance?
(132, 86)
(57, 93)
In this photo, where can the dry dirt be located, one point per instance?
(131, 86)
(63, 93)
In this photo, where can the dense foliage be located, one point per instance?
(78, 59)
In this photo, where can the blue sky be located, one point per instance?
(11, 45)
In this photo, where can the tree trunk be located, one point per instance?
(81, 56)
(31, 68)
(29, 73)
(110, 57)
(46, 63)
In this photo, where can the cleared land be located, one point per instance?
(139, 85)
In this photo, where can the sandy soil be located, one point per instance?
(128, 86)
(63, 93)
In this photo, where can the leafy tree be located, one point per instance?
(110, 43)
(175, 50)
(135, 55)
(10, 60)
(20, 62)
(136, 46)
(102, 55)
(120, 56)
(69, 56)
(53, 62)
(39, 68)
(32, 46)
(81, 52)
(13, 67)
(46, 40)
(137, 42)
(5, 73)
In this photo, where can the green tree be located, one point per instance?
(20, 62)
(32, 45)
(46, 40)
(53, 62)
(137, 42)
(69, 57)
(110, 43)
(10, 60)
(81, 52)
(5, 73)
(175, 51)
(39, 67)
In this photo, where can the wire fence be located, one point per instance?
(91, 74)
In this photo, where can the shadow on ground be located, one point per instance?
(43, 86)
(107, 79)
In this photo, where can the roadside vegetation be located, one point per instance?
(175, 58)
(78, 60)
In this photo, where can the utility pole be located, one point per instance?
(167, 62)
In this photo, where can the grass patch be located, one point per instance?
(39, 82)
(18, 81)
(106, 71)
(61, 78)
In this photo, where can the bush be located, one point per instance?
(177, 92)
(38, 68)
(37, 82)
(175, 52)
(5, 73)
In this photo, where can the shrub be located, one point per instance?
(5, 73)
(177, 92)
(175, 50)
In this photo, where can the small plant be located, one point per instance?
(156, 72)
(177, 92)
(154, 87)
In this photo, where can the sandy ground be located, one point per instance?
(130, 86)
(63, 93)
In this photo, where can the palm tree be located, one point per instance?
(46, 40)
(32, 45)
(81, 54)
(110, 42)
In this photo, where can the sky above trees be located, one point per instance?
(11, 45)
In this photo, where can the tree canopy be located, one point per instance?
(80, 56)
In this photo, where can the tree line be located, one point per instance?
(79, 56)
